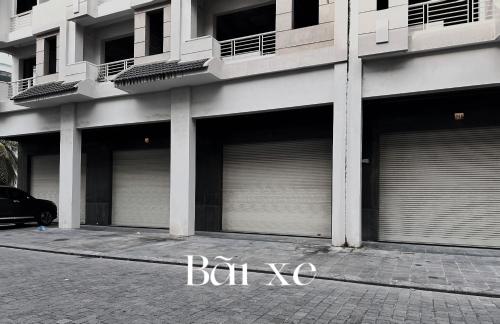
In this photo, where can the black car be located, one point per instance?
(18, 207)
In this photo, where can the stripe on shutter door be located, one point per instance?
(45, 180)
(278, 187)
(441, 187)
(141, 188)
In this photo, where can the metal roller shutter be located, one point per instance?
(45, 180)
(278, 188)
(141, 188)
(441, 187)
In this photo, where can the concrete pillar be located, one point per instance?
(354, 135)
(70, 166)
(175, 39)
(74, 42)
(182, 164)
(339, 156)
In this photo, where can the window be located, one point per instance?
(17, 194)
(154, 32)
(382, 4)
(25, 5)
(305, 13)
(50, 55)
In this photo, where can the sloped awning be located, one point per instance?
(46, 90)
(158, 71)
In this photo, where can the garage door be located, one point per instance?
(441, 187)
(278, 188)
(141, 188)
(45, 180)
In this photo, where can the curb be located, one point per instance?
(255, 270)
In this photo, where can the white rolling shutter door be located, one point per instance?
(278, 188)
(45, 180)
(441, 187)
(141, 188)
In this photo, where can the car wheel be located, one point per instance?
(45, 218)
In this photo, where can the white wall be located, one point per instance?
(435, 71)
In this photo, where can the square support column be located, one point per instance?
(182, 164)
(354, 124)
(339, 156)
(176, 30)
(70, 166)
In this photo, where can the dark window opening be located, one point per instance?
(27, 66)
(382, 4)
(245, 23)
(119, 49)
(50, 59)
(25, 5)
(305, 13)
(154, 32)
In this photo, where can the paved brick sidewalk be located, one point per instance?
(49, 288)
(475, 271)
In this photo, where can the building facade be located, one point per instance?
(349, 120)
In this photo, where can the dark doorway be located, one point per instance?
(119, 49)
(25, 5)
(305, 13)
(27, 66)
(154, 32)
(50, 55)
(245, 23)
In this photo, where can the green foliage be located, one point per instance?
(8, 163)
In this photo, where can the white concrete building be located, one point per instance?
(283, 117)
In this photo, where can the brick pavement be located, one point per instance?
(474, 271)
(49, 288)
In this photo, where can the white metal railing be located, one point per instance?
(262, 44)
(108, 70)
(16, 87)
(442, 13)
(21, 20)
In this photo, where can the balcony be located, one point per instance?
(254, 45)
(18, 86)
(444, 13)
(108, 71)
(410, 26)
(20, 21)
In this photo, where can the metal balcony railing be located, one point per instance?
(108, 70)
(260, 44)
(16, 87)
(21, 20)
(443, 13)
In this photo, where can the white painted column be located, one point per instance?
(70, 165)
(175, 37)
(74, 43)
(182, 164)
(354, 135)
(339, 156)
